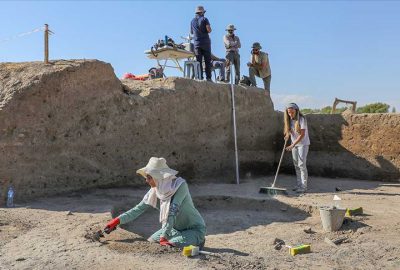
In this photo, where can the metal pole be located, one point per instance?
(46, 43)
(234, 125)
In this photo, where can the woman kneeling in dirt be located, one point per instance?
(296, 129)
(182, 224)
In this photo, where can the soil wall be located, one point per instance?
(361, 146)
(74, 125)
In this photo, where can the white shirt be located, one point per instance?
(294, 135)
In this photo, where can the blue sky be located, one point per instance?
(318, 50)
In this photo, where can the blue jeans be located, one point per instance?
(299, 154)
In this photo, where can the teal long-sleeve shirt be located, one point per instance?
(182, 213)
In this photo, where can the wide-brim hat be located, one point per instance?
(157, 168)
(230, 27)
(256, 45)
(200, 9)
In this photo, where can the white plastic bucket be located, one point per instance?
(332, 218)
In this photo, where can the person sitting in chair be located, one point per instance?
(218, 63)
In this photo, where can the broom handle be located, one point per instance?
(280, 161)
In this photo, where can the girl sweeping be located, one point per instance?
(182, 224)
(296, 128)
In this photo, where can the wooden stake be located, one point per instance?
(46, 43)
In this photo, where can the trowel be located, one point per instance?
(95, 236)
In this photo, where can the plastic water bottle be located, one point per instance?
(10, 197)
(336, 201)
(166, 40)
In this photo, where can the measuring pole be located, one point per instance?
(46, 43)
(234, 125)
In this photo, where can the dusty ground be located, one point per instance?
(242, 225)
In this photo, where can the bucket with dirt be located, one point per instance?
(332, 218)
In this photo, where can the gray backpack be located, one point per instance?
(245, 81)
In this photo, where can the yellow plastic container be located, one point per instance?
(302, 249)
(187, 251)
(354, 211)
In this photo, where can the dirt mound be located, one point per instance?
(73, 125)
(11, 228)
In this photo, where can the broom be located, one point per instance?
(272, 190)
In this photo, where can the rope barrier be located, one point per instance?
(22, 35)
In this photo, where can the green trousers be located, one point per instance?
(182, 238)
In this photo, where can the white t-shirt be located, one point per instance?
(294, 135)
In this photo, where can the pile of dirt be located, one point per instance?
(11, 227)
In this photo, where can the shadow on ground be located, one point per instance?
(352, 224)
(329, 185)
(222, 214)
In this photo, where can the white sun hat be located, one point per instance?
(157, 168)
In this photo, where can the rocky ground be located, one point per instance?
(55, 232)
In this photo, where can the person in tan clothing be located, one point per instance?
(259, 66)
(232, 46)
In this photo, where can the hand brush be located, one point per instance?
(301, 249)
(190, 251)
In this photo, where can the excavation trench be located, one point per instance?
(222, 214)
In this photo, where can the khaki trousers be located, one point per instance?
(255, 72)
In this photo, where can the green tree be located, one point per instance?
(374, 108)
(326, 110)
(393, 109)
(340, 110)
(307, 111)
